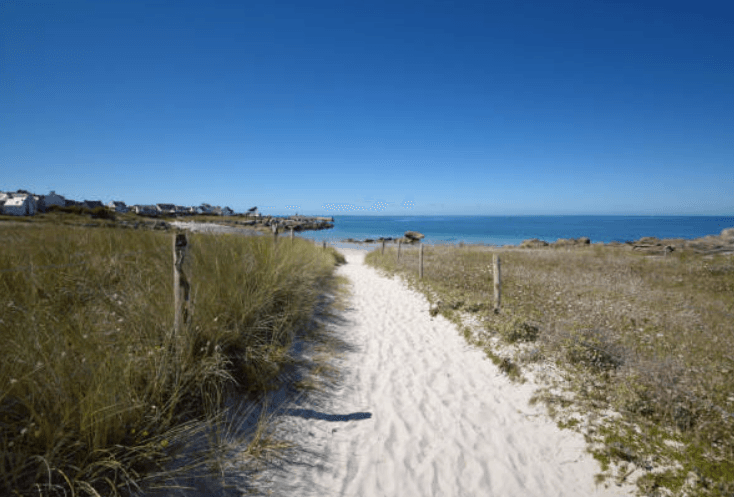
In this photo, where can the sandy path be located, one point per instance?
(425, 414)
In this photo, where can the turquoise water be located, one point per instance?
(511, 230)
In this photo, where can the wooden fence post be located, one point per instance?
(324, 245)
(274, 227)
(180, 290)
(420, 263)
(497, 283)
(383, 246)
(291, 235)
(400, 243)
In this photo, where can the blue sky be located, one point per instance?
(503, 107)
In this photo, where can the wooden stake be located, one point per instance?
(291, 235)
(383, 247)
(400, 243)
(420, 263)
(180, 289)
(497, 283)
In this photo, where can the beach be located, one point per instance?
(421, 413)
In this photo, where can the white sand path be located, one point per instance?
(443, 420)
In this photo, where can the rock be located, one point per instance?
(727, 234)
(648, 240)
(583, 240)
(414, 235)
(161, 225)
(533, 243)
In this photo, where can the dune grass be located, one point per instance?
(650, 338)
(93, 396)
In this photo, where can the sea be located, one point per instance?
(512, 230)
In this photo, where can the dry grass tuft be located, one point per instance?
(93, 396)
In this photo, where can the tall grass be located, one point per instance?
(93, 397)
(649, 337)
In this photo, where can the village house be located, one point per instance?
(166, 208)
(145, 210)
(19, 205)
(118, 206)
(92, 204)
(205, 209)
(52, 199)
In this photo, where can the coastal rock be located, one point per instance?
(533, 243)
(413, 236)
(727, 234)
(572, 242)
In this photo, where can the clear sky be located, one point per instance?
(491, 107)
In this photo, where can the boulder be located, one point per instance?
(414, 236)
(648, 240)
(533, 243)
(583, 240)
(727, 234)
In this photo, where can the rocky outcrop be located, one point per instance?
(572, 242)
(412, 237)
(533, 243)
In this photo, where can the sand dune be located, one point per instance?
(420, 413)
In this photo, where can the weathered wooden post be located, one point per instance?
(274, 227)
(291, 235)
(497, 283)
(383, 246)
(400, 243)
(180, 290)
(420, 263)
(324, 245)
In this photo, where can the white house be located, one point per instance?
(145, 210)
(20, 205)
(166, 208)
(117, 206)
(205, 209)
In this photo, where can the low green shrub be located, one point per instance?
(518, 330)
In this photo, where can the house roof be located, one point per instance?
(16, 201)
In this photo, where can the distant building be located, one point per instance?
(145, 210)
(205, 209)
(92, 204)
(118, 206)
(166, 208)
(20, 205)
(53, 199)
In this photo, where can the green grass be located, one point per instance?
(94, 397)
(649, 337)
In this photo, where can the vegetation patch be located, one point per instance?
(95, 399)
(647, 337)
